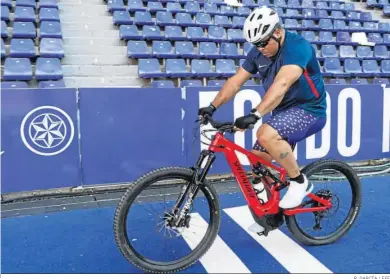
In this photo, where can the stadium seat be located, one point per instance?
(386, 38)
(370, 26)
(129, 32)
(210, 8)
(250, 3)
(352, 15)
(24, 30)
(365, 16)
(385, 68)
(185, 50)
(339, 24)
(4, 31)
(292, 13)
(230, 50)
(375, 38)
(137, 49)
(143, 18)
(343, 37)
(121, 17)
(325, 24)
(3, 54)
(208, 50)
(308, 13)
(337, 81)
(370, 67)
(293, 4)
(7, 3)
(184, 19)
(201, 68)
(162, 84)
(174, 7)
(22, 48)
(347, 51)
(329, 51)
(190, 83)
(359, 81)
(152, 33)
(176, 68)
(380, 51)
(290, 23)
(196, 34)
(174, 33)
(48, 4)
(48, 69)
(25, 14)
(308, 24)
(222, 21)
(235, 35)
(307, 4)
(332, 68)
(52, 84)
(363, 52)
(380, 81)
(26, 3)
(216, 82)
(5, 13)
(192, 7)
(280, 3)
(154, 6)
(50, 29)
(243, 11)
(354, 26)
(115, 5)
(352, 66)
(217, 34)
(14, 85)
(149, 68)
(309, 36)
(246, 48)
(136, 5)
(202, 19)
(325, 36)
(225, 67)
(163, 49)
(227, 10)
(383, 27)
(348, 6)
(51, 47)
(321, 13)
(164, 18)
(49, 14)
(17, 69)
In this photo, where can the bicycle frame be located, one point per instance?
(221, 144)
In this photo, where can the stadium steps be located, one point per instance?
(94, 54)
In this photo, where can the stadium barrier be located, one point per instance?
(54, 138)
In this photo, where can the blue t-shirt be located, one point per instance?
(308, 92)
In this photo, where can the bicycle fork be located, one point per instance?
(192, 188)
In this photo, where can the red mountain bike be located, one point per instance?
(178, 211)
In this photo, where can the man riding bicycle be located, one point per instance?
(295, 94)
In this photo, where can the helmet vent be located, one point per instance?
(249, 34)
(252, 17)
(265, 28)
(272, 13)
(260, 16)
(255, 32)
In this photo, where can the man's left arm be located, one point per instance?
(286, 76)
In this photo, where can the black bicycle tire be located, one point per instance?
(352, 177)
(125, 204)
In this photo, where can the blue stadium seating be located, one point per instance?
(163, 49)
(143, 18)
(202, 19)
(222, 21)
(164, 18)
(347, 51)
(375, 38)
(52, 84)
(174, 7)
(122, 17)
(227, 10)
(190, 83)
(137, 49)
(162, 84)
(26, 3)
(14, 84)
(48, 4)
(235, 35)
(129, 32)
(4, 31)
(17, 69)
(201, 68)
(154, 6)
(359, 81)
(230, 50)
(174, 33)
(243, 11)
(332, 68)
(325, 36)
(135, 5)
(5, 13)
(50, 29)
(380, 81)
(22, 48)
(211, 8)
(24, 30)
(329, 51)
(337, 81)
(152, 33)
(217, 34)
(208, 50)
(25, 14)
(2, 49)
(363, 52)
(352, 66)
(185, 50)
(7, 3)
(49, 14)
(380, 51)
(48, 69)
(370, 67)
(385, 68)
(51, 47)
(216, 82)
(225, 67)
(196, 34)
(149, 68)
(192, 7)
(184, 19)
(176, 68)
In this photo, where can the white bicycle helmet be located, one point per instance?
(260, 24)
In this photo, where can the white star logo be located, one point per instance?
(49, 132)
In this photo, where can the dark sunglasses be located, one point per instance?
(262, 44)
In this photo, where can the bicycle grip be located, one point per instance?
(251, 126)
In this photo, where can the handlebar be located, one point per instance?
(220, 126)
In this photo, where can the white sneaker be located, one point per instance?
(255, 228)
(295, 194)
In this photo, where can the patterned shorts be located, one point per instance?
(294, 125)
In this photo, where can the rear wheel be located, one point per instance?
(338, 182)
(153, 237)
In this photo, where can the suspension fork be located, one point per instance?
(196, 181)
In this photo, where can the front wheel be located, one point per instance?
(334, 180)
(158, 238)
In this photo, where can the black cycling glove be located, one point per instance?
(244, 122)
(207, 111)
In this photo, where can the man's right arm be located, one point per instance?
(231, 87)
